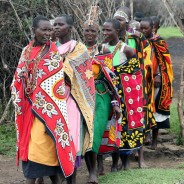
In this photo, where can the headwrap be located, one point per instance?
(122, 14)
(134, 25)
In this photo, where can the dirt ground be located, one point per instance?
(168, 155)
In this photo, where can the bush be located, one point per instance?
(7, 139)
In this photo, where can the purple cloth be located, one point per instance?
(78, 162)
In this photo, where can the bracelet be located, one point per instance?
(114, 103)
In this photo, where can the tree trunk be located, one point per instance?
(180, 103)
(175, 19)
(132, 8)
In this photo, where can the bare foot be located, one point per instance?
(101, 171)
(153, 147)
(39, 181)
(147, 140)
(93, 179)
(142, 165)
(114, 169)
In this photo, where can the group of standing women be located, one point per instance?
(79, 100)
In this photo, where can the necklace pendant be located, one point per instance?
(28, 91)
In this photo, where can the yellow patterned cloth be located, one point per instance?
(78, 68)
(161, 59)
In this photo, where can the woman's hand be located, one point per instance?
(117, 112)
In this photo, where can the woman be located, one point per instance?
(127, 70)
(142, 49)
(162, 78)
(38, 92)
(105, 94)
(80, 89)
(156, 24)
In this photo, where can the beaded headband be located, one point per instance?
(122, 14)
(93, 15)
(91, 23)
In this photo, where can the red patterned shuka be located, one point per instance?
(46, 102)
(131, 94)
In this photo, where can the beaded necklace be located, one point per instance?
(118, 46)
(92, 50)
(31, 74)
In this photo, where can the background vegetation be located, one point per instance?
(7, 139)
(15, 29)
(168, 32)
(15, 32)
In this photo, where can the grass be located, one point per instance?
(180, 166)
(145, 176)
(7, 139)
(168, 32)
(152, 175)
(174, 122)
(174, 119)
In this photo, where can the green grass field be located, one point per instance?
(167, 32)
(7, 139)
(174, 122)
(174, 119)
(144, 176)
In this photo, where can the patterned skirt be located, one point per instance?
(129, 84)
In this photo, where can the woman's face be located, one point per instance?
(61, 28)
(109, 32)
(122, 22)
(42, 32)
(90, 33)
(155, 27)
(146, 29)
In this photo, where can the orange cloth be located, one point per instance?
(96, 70)
(162, 63)
(42, 149)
